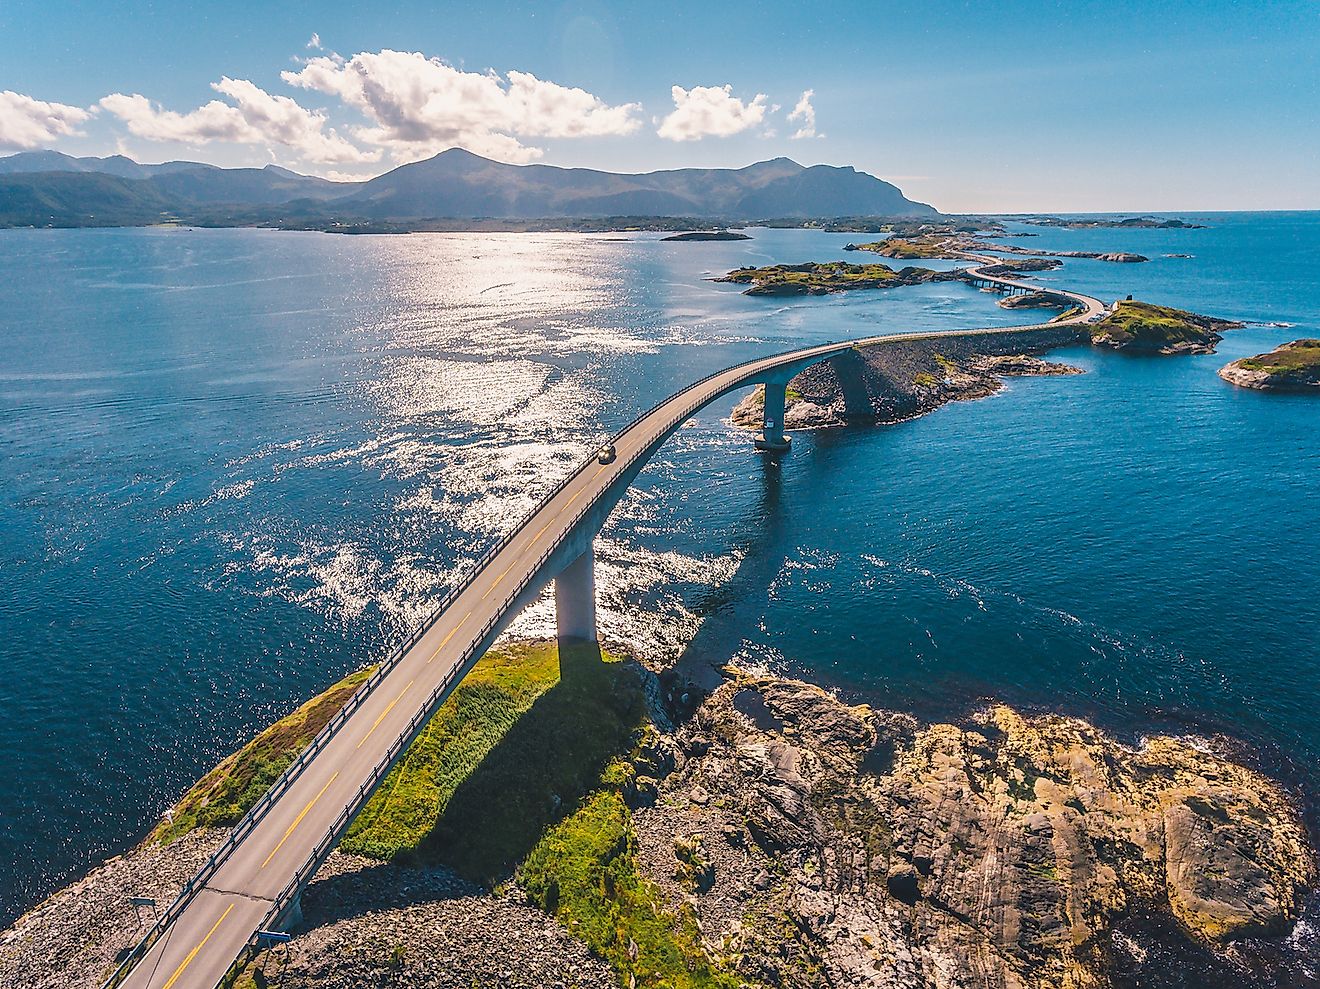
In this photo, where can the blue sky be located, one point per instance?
(969, 106)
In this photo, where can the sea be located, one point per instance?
(237, 464)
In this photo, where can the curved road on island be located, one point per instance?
(253, 881)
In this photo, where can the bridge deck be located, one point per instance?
(274, 853)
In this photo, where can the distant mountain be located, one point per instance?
(269, 186)
(124, 168)
(457, 183)
(45, 188)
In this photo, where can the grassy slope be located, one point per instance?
(1288, 360)
(1141, 325)
(518, 768)
(584, 871)
(224, 794)
(918, 247)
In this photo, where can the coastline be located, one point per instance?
(365, 918)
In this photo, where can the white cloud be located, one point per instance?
(314, 41)
(710, 111)
(29, 123)
(806, 114)
(418, 105)
(257, 117)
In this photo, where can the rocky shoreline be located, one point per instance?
(1293, 366)
(807, 841)
(908, 378)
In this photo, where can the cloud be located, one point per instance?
(710, 111)
(29, 123)
(256, 117)
(418, 105)
(806, 113)
(314, 41)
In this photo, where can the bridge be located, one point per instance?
(253, 882)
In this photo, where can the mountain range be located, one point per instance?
(47, 188)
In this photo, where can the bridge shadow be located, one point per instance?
(536, 774)
(550, 757)
(760, 539)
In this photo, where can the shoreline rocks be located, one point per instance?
(812, 841)
(1293, 366)
(1144, 328)
(850, 846)
(907, 379)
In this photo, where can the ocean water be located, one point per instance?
(239, 463)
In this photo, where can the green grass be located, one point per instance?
(584, 871)
(924, 380)
(1142, 325)
(224, 794)
(525, 736)
(827, 276)
(519, 770)
(498, 691)
(1287, 360)
(931, 246)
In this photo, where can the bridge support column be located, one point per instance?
(575, 600)
(772, 438)
(293, 915)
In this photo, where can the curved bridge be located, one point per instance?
(253, 882)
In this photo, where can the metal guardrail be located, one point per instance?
(749, 370)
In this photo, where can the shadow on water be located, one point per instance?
(719, 634)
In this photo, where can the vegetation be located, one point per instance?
(499, 690)
(923, 246)
(1143, 327)
(1293, 365)
(518, 770)
(818, 278)
(521, 740)
(1286, 360)
(224, 794)
(584, 871)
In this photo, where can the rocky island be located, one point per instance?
(1126, 223)
(1143, 328)
(701, 235)
(573, 820)
(821, 278)
(1291, 366)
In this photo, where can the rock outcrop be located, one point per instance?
(905, 379)
(1144, 328)
(1291, 366)
(846, 846)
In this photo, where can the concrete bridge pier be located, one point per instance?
(575, 599)
(772, 438)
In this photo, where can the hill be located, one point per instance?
(457, 183)
(47, 188)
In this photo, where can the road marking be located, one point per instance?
(298, 820)
(193, 954)
(377, 722)
(496, 582)
(445, 641)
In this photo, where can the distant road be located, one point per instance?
(263, 866)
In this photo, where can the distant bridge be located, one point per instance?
(255, 879)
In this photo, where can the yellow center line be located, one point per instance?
(377, 722)
(298, 820)
(193, 954)
(445, 641)
(496, 582)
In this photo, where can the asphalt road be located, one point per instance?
(197, 949)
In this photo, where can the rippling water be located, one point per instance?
(239, 463)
